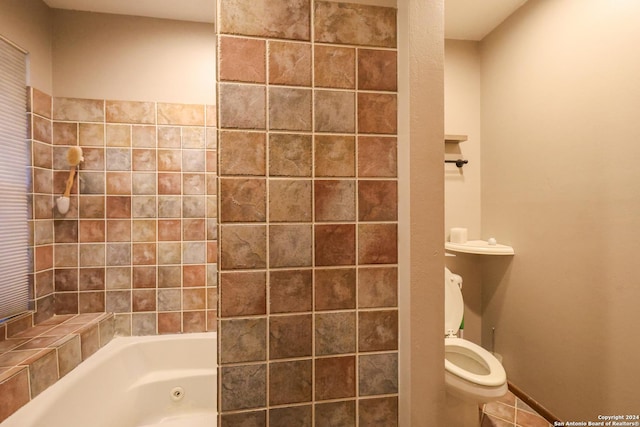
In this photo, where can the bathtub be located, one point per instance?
(165, 381)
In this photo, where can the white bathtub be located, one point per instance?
(167, 381)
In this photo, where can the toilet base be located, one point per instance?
(461, 413)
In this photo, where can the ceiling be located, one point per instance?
(464, 19)
(474, 19)
(183, 10)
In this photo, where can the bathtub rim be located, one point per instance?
(37, 407)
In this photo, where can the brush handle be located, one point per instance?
(72, 174)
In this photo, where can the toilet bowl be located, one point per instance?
(471, 372)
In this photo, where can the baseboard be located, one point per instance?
(535, 405)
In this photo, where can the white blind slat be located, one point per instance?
(14, 178)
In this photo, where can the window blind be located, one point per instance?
(14, 149)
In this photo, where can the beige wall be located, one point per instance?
(560, 131)
(132, 58)
(462, 185)
(27, 23)
(421, 213)
(101, 56)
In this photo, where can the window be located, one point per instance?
(14, 161)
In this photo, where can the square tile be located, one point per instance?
(290, 416)
(242, 200)
(247, 418)
(341, 413)
(242, 153)
(242, 247)
(378, 374)
(335, 244)
(243, 340)
(169, 323)
(377, 113)
(290, 291)
(334, 156)
(335, 289)
(290, 245)
(242, 59)
(289, 155)
(91, 134)
(290, 382)
(377, 200)
(242, 106)
(143, 300)
(290, 336)
(194, 276)
(335, 200)
(378, 243)
(382, 411)
(335, 377)
(93, 159)
(289, 63)
(377, 156)
(289, 109)
(378, 330)
(335, 111)
(377, 70)
(243, 387)
(289, 200)
(335, 333)
(378, 287)
(335, 67)
(242, 293)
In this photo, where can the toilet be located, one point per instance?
(473, 375)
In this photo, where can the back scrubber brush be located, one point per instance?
(74, 157)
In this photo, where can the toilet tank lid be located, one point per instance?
(453, 304)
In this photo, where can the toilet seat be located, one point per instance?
(470, 357)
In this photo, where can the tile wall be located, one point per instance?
(140, 237)
(308, 214)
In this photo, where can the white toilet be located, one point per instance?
(472, 375)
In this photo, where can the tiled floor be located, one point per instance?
(510, 411)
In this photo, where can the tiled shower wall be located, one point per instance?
(308, 214)
(140, 237)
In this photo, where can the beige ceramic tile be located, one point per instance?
(242, 59)
(91, 134)
(180, 114)
(40, 103)
(334, 111)
(377, 70)
(290, 109)
(335, 67)
(346, 23)
(242, 153)
(80, 110)
(118, 136)
(130, 112)
(377, 113)
(242, 106)
(282, 20)
(289, 63)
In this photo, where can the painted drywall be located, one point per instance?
(462, 185)
(103, 56)
(560, 131)
(27, 23)
(420, 210)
